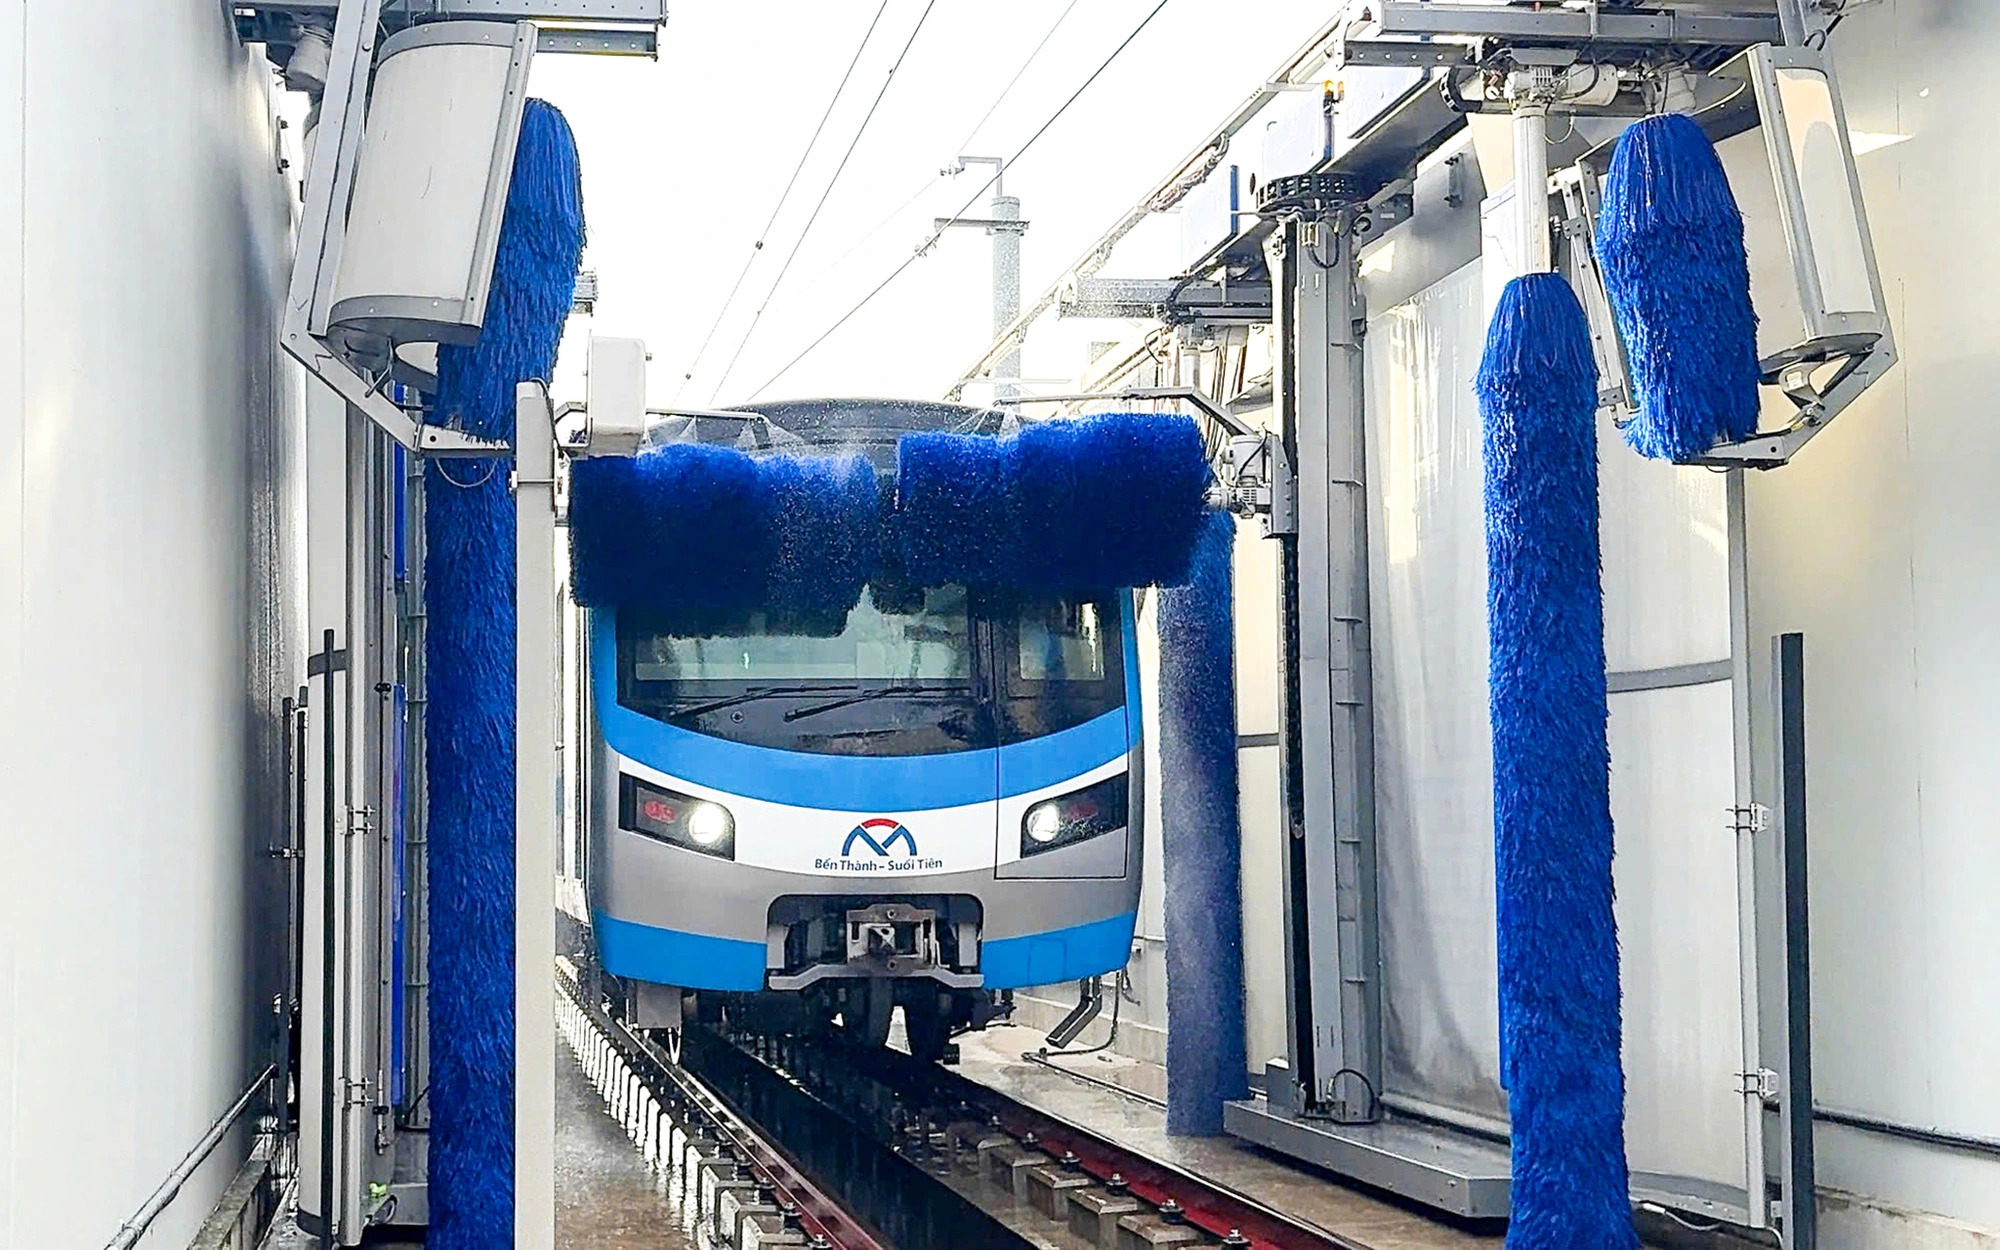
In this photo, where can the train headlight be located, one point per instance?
(1044, 822)
(677, 819)
(1077, 816)
(709, 823)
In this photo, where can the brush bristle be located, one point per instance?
(695, 536)
(469, 721)
(1201, 837)
(1670, 240)
(1061, 506)
(1558, 946)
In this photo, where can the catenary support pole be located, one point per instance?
(1006, 287)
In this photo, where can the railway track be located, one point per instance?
(814, 1141)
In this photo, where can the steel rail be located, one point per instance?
(908, 1085)
(690, 1103)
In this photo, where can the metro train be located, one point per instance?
(927, 804)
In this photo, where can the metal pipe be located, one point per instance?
(1186, 176)
(1464, 1121)
(1908, 1132)
(1045, 1061)
(1531, 188)
(131, 1230)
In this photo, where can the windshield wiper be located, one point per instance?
(800, 713)
(751, 696)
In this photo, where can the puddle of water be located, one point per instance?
(608, 1197)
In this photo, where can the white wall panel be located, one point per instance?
(1658, 516)
(148, 221)
(1878, 543)
(1673, 777)
(14, 730)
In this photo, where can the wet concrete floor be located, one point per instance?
(993, 1058)
(607, 1196)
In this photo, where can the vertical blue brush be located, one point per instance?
(469, 724)
(1670, 241)
(1558, 944)
(1201, 839)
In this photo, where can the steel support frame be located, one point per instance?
(322, 228)
(1420, 19)
(1326, 748)
(1746, 825)
(364, 1127)
(537, 814)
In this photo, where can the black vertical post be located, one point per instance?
(324, 666)
(281, 1102)
(1789, 663)
(295, 987)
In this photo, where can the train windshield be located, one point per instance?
(921, 673)
(929, 641)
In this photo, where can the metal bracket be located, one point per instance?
(1754, 818)
(1258, 480)
(1208, 407)
(1772, 449)
(1089, 1002)
(1763, 1083)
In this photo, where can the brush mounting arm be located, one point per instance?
(1256, 478)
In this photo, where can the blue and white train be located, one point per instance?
(927, 804)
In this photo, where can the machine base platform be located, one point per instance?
(1452, 1171)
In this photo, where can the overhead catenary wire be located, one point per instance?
(798, 242)
(784, 196)
(931, 240)
(963, 144)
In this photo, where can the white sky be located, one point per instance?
(683, 160)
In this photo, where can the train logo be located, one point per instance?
(889, 831)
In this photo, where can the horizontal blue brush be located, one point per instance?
(954, 507)
(1060, 506)
(1670, 241)
(697, 535)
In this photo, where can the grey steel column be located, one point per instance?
(537, 722)
(1327, 744)
(1005, 226)
(1006, 288)
(1748, 820)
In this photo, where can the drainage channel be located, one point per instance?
(1052, 1183)
(766, 1164)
